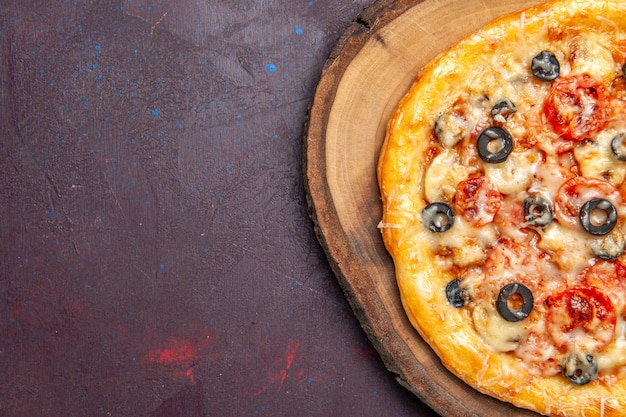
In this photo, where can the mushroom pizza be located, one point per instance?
(503, 180)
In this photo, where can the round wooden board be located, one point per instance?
(370, 69)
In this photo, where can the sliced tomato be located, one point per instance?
(511, 218)
(604, 274)
(510, 261)
(609, 275)
(581, 317)
(576, 191)
(478, 200)
(536, 350)
(577, 107)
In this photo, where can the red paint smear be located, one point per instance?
(179, 356)
(178, 351)
(300, 376)
(284, 368)
(290, 354)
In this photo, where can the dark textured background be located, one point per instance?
(156, 255)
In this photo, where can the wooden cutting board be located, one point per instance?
(369, 70)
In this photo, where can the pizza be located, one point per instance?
(503, 185)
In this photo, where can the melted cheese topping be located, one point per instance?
(502, 335)
(561, 243)
(596, 159)
(443, 175)
(515, 174)
(528, 170)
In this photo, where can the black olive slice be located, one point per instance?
(624, 70)
(502, 110)
(537, 210)
(609, 247)
(618, 147)
(494, 145)
(513, 314)
(598, 216)
(457, 296)
(545, 66)
(580, 368)
(438, 217)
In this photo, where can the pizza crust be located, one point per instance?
(448, 330)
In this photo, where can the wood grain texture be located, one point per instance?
(370, 69)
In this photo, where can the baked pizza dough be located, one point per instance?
(502, 178)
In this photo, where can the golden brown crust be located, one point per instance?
(449, 330)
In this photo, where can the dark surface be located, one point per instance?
(156, 256)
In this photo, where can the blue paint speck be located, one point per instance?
(161, 266)
(205, 250)
(97, 47)
(155, 112)
(298, 30)
(270, 67)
